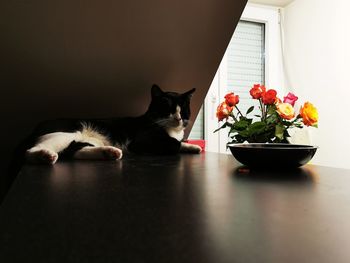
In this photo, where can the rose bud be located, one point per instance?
(269, 97)
(290, 98)
(231, 99)
(257, 90)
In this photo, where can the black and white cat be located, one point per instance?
(159, 131)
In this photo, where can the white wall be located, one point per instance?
(317, 60)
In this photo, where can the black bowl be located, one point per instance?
(272, 155)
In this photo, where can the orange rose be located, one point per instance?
(257, 91)
(309, 114)
(223, 111)
(231, 99)
(269, 97)
(285, 110)
(278, 101)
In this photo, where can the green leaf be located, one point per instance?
(272, 118)
(242, 124)
(257, 127)
(250, 110)
(239, 139)
(222, 127)
(271, 109)
(244, 133)
(286, 134)
(232, 130)
(287, 123)
(279, 131)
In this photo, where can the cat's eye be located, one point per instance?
(165, 106)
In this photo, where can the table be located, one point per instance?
(185, 208)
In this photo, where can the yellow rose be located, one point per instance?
(285, 110)
(309, 114)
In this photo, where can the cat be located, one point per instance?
(159, 131)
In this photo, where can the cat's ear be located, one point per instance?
(189, 93)
(156, 91)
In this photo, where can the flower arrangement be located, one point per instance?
(272, 124)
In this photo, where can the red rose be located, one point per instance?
(290, 98)
(223, 111)
(257, 90)
(269, 97)
(231, 99)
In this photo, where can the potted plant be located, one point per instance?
(272, 124)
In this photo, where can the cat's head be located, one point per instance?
(170, 109)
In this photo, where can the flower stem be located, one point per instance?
(233, 117)
(262, 110)
(239, 111)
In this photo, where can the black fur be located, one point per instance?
(72, 148)
(141, 135)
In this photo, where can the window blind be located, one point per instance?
(197, 131)
(245, 66)
(246, 61)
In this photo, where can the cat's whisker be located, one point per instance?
(163, 122)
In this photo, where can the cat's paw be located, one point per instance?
(112, 153)
(195, 149)
(41, 156)
(190, 148)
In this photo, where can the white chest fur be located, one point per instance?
(176, 132)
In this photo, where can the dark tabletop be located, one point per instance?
(189, 208)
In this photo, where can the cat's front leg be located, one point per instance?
(99, 153)
(41, 155)
(190, 148)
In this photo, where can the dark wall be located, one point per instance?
(70, 58)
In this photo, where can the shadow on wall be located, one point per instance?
(63, 59)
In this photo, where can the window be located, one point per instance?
(198, 128)
(245, 61)
(252, 57)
